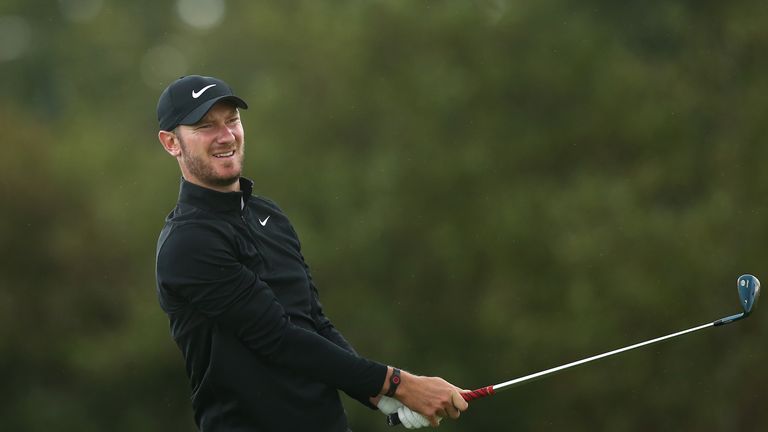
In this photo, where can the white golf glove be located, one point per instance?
(388, 405)
(409, 418)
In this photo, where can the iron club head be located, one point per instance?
(749, 291)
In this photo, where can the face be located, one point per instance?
(210, 152)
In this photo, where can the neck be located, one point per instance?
(232, 187)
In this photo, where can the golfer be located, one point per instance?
(260, 353)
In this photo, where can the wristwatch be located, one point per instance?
(394, 381)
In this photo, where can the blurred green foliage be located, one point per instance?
(484, 189)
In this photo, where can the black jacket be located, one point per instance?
(259, 352)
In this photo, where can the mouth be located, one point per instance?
(224, 155)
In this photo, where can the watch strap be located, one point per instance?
(394, 381)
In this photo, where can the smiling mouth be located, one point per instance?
(224, 155)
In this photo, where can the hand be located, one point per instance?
(388, 405)
(413, 420)
(432, 397)
(408, 418)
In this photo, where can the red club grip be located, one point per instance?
(394, 420)
(479, 393)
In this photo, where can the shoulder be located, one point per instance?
(265, 207)
(261, 201)
(194, 235)
(263, 204)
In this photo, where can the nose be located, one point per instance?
(225, 134)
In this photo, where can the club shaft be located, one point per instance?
(514, 382)
(482, 392)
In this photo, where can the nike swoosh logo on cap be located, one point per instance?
(264, 222)
(197, 94)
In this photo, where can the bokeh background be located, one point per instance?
(484, 189)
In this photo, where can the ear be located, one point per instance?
(170, 143)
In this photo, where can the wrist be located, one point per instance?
(394, 379)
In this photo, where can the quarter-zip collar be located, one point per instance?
(211, 200)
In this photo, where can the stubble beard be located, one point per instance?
(203, 170)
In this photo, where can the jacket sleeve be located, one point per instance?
(198, 263)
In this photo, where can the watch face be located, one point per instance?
(394, 381)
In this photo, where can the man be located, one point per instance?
(260, 353)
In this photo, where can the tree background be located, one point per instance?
(484, 189)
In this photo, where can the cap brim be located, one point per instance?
(199, 112)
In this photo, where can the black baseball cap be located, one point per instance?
(187, 100)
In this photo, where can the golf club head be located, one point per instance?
(749, 291)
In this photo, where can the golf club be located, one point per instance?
(749, 291)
